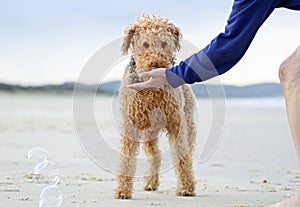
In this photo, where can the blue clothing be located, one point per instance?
(227, 48)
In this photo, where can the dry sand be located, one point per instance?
(254, 164)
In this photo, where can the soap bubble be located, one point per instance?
(51, 196)
(36, 155)
(46, 173)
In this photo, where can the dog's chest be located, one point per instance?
(148, 107)
(156, 98)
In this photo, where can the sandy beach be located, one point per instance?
(254, 164)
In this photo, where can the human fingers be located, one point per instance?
(140, 86)
(153, 73)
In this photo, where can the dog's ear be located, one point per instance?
(177, 36)
(128, 35)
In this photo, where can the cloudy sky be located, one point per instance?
(51, 41)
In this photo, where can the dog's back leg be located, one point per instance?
(189, 107)
(152, 151)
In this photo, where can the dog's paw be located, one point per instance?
(150, 188)
(151, 183)
(122, 195)
(187, 193)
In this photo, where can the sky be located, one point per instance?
(43, 42)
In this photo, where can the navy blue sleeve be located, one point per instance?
(290, 4)
(227, 48)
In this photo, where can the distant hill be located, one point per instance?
(256, 90)
(66, 87)
(200, 90)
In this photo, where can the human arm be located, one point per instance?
(227, 48)
(223, 52)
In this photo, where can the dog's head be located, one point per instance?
(153, 41)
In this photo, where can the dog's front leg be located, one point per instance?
(182, 158)
(128, 152)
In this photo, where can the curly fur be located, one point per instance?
(153, 41)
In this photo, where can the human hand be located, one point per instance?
(157, 79)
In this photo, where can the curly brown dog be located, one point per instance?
(153, 41)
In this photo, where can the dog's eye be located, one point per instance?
(164, 44)
(146, 45)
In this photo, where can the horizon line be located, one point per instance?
(110, 81)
